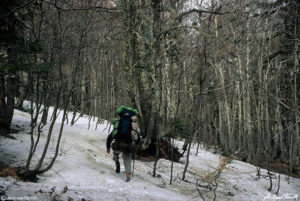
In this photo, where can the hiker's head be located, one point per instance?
(134, 118)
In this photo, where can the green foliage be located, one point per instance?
(34, 46)
(179, 130)
(44, 68)
(6, 67)
(19, 52)
(119, 4)
(25, 52)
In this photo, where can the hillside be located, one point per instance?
(84, 171)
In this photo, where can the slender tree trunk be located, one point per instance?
(172, 162)
(187, 160)
(58, 140)
(296, 152)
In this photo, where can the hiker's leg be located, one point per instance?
(116, 159)
(116, 155)
(127, 164)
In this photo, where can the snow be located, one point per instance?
(84, 171)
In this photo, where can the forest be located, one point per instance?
(220, 73)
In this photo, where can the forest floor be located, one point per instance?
(84, 171)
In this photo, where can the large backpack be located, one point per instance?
(123, 124)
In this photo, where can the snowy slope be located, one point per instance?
(84, 171)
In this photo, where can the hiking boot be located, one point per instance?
(128, 177)
(117, 167)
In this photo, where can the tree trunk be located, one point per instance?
(7, 95)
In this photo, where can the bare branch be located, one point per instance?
(17, 8)
(199, 11)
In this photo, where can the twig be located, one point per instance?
(271, 184)
(216, 186)
(199, 190)
(278, 185)
(16, 8)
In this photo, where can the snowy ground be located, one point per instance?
(84, 171)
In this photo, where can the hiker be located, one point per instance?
(124, 138)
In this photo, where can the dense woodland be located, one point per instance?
(223, 73)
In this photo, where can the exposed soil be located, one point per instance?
(16, 172)
(9, 171)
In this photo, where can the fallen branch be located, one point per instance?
(210, 181)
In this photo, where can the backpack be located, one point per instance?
(123, 125)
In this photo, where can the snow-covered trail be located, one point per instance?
(84, 171)
(87, 168)
(83, 166)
